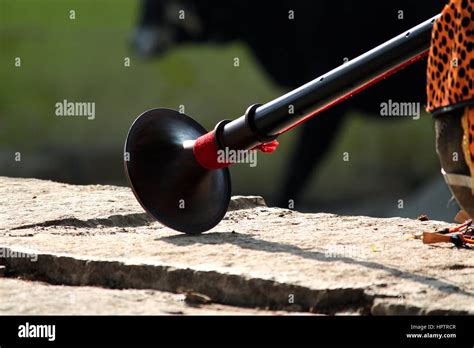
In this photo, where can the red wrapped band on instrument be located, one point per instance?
(206, 151)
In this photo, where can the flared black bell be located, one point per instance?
(165, 177)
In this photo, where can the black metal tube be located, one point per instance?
(274, 117)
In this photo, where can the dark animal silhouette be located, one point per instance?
(294, 51)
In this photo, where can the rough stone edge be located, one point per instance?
(246, 202)
(391, 307)
(222, 288)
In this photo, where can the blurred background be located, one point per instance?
(82, 59)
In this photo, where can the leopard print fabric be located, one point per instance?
(451, 58)
(450, 71)
(467, 123)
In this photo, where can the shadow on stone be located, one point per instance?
(245, 241)
(126, 220)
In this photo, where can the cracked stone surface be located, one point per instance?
(98, 237)
(37, 298)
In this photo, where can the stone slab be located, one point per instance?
(257, 257)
